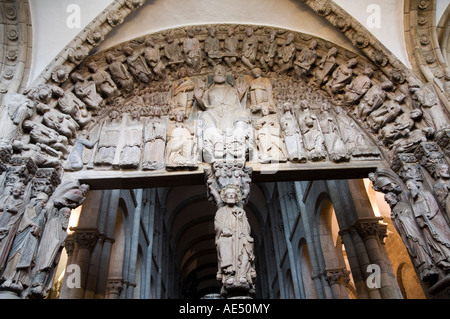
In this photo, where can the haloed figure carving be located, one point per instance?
(234, 244)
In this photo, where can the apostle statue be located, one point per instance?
(404, 222)
(292, 135)
(16, 276)
(155, 142)
(234, 244)
(431, 220)
(270, 144)
(12, 207)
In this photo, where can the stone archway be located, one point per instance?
(80, 121)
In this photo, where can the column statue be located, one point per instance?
(234, 244)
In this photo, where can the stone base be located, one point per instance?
(243, 291)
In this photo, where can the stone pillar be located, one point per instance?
(103, 268)
(370, 231)
(85, 239)
(91, 284)
(353, 260)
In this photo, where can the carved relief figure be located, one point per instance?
(340, 77)
(373, 99)
(119, 74)
(109, 136)
(325, 67)
(260, 92)
(39, 133)
(16, 276)
(172, 51)
(286, 54)
(180, 149)
(152, 55)
(268, 133)
(61, 123)
(356, 141)
(192, 51)
(309, 126)
(12, 207)
(154, 141)
(103, 81)
(305, 60)
(42, 155)
(434, 227)
(249, 48)
(333, 142)
(17, 109)
(137, 65)
(404, 222)
(269, 51)
(223, 115)
(130, 155)
(292, 135)
(400, 127)
(426, 98)
(234, 243)
(182, 94)
(69, 195)
(75, 158)
(385, 114)
(230, 48)
(212, 48)
(441, 187)
(358, 87)
(86, 91)
(71, 105)
(50, 246)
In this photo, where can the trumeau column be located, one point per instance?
(228, 186)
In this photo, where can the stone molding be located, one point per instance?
(15, 43)
(424, 47)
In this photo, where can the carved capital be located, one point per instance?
(69, 245)
(228, 174)
(114, 286)
(337, 276)
(370, 227)
(85, 238)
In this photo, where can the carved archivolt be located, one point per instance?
(305, 100)
(15, 26)
(424, 47)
